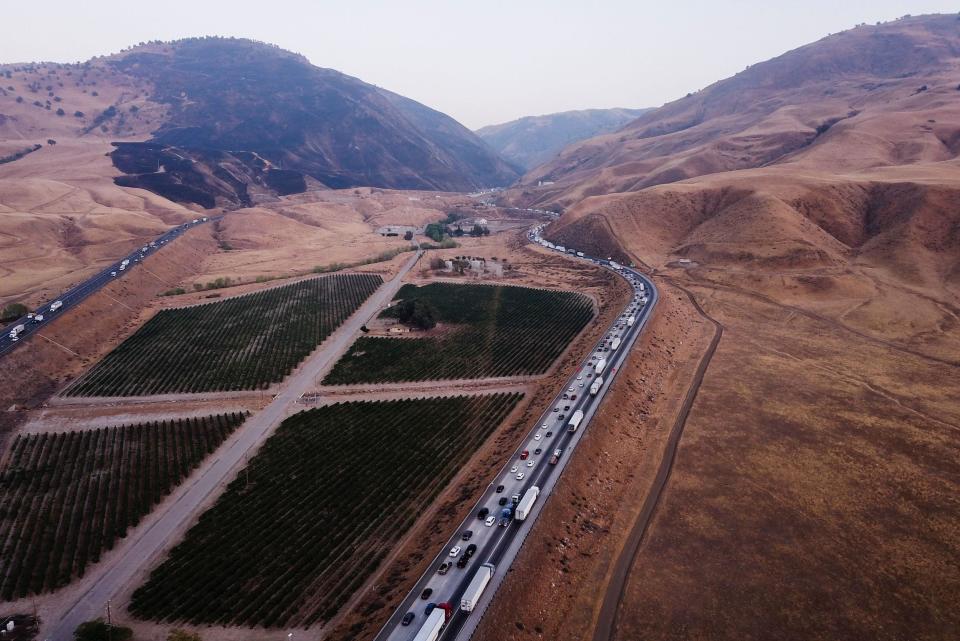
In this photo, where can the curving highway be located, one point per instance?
(496, 544)
(72, 297)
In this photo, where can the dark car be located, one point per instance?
(426, 593)
(503, 500)
(573, 398)
(538, 451)
(471, 549)
(499, 489)
(561, 417)
(462, 561)
(443, 568)
(566, 408)
(466, 535)
(427, 610)
(482, 514)
(549, 434)
(408, 618)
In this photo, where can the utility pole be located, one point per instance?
(109, 623)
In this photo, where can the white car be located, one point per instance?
(455, 550)
(579, 377)
(537, 437)
(514, 469)
(490, 521)
(569, 389)
(520, 476)
(529, 463)
(581, 384)
(543, 427)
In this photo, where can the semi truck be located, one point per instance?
(601, 364)
(615, 343)
(430, 630)
(575, 421)
(631, 321)
(479, 583)
(556, 457)
(597, 384)
(15, 332)
(526, 503)
(55, 305)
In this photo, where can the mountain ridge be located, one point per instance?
(532, 140)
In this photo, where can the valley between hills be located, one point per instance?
(262, 398)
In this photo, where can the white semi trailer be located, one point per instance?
(479, 583)
(430, 629)
(631, 321)
(597, 384)
(615, 343)
(55, 305)
(575, 421)
(601, 365)
(526, 503)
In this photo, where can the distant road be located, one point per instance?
(79, 293)
(159, 530)
(499, 545)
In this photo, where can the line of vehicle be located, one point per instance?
(13, 334)
(499, 550)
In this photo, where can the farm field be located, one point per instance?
(494, 330)
(242, 343)
(66, 497)
(318, 508)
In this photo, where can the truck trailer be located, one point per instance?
(615, 343)
(575, 421)
(430, 630)
(601, 364)
(479, 583)
(55, 305)
(526, 503)
(631, 321)
(597, 384)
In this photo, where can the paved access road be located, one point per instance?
(77, 294)
(159, 530)
(499, 545)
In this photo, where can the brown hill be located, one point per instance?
(871, 96)
(811, 207)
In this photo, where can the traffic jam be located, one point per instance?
(457, 578)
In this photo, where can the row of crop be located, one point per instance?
(314, 512)
(497, 331)
(247, 342)
(67, 497)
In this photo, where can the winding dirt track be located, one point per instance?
(606, 628)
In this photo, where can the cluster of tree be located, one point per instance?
(417, 312)
(13, 311)
(100, 630)
(475, 231)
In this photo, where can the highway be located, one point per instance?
(498, 545)
(79, 293)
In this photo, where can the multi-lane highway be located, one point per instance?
(72, 297)
(498, 542)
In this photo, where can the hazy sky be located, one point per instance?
(482, 62)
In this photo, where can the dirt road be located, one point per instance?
(606, 628)
(165, 525)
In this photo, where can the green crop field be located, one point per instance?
(242, 343)
(65, 498)
(497, 331)
(316, 510)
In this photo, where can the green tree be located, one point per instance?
(98, 630)
(13, 311)
(417, 312)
